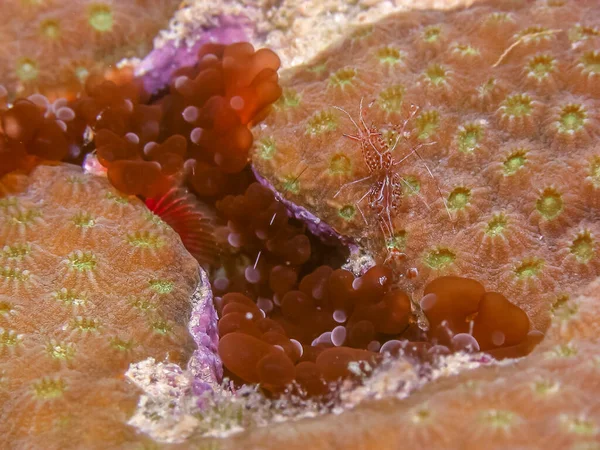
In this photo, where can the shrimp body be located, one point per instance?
(384, 195)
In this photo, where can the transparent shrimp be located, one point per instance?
(386, 184)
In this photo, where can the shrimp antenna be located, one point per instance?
(360, 113)
(437, 186)
(349, 117)
(350, 183)
(415, 192)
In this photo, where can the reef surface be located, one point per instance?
(454, 153)
(90, 282)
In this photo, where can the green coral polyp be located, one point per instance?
(266, 148)
(291, 183)
(497, 225)
(9, 338)
(550, 204)
(143, 305)
(579, 425)
(161, 327)
(499, 419)
(591, 62)
(397, 242)
(49, 388)
(486, 88)
(546, 387)
(581, 33)
(14, 273)
(529, 268)
(439, 258)
(459, 198)
(50, 29)
(436, 75)
(8, 202)
(100, 17)
(411, 185)
(121, 344)
(117, 198)
(595, 171)
(559, 302)
(517, 105)
(161, 286)
(340, 164)
(343, 77)
(432, 34)
(290, 98)
(347, 212)
(75, 179)
(26, 217)
(321, 122)
(421, 415)
(469, 136)
(564, 312)
(145, 239)
(69, 297)
(541, 66)
(562, 351)
(82, 261)
(583, 247)
(389, 55)
(318, 68)
(6, 308)
(390, 99)
(500, 17)
(427, 124)
(153, 218)
(27, 70)
(465, 50)
(16, 251)
(514, 162)
(85, 324)
(61, 351)
(83, 220)
(572, 118)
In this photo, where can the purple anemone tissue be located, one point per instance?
(175, 52)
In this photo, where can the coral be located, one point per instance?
(214, 104)
(468, 172)
(313, 329)
(202, 123)
(89, 284)
(42, 49)
(201, 126)
(549, 396)
(263, 250)
(34, 130)
(502, 112)
(157, 68)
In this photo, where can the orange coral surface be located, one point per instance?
(90, 281)
(546, 400)
(51, 46)
(500, 101)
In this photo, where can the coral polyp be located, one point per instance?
(43, 52)
(72, 320)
